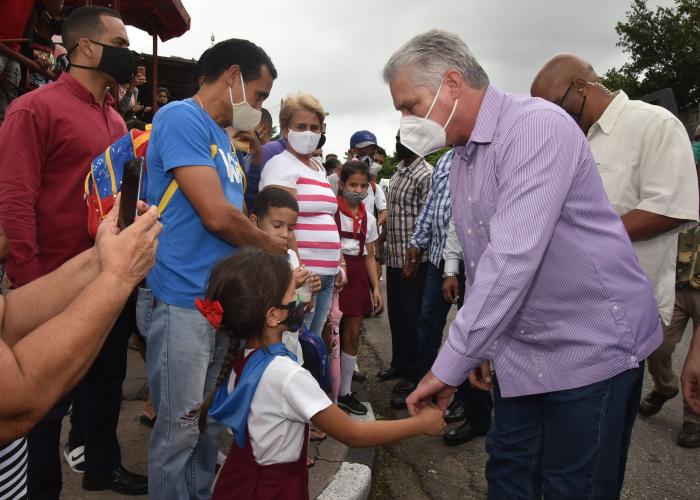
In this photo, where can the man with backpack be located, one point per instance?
(48, 140)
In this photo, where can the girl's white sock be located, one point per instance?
(347, 366)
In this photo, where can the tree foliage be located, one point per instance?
(664, 50)
(390, 163)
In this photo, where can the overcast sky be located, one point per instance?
(336, 50)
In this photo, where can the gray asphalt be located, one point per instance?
(424, 467)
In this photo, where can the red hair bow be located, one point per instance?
(210, 309)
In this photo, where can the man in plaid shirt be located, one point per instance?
(444, 287)
(408, 190)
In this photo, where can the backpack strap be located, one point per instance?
(167, 196)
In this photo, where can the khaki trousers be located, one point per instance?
(666, 382)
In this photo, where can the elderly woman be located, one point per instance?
(301, 123)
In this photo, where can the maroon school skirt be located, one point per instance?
(355, 300)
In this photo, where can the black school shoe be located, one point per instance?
(464, 433)
(689, 437)
(120, 481)
(388, 374)
(350, 403)
(404, 387)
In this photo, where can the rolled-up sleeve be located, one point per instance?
(535, 169)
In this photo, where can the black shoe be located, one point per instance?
(653, 402)
(120, 481)
(464, 433)
(455, 412)
(398, 402)
(359, 376)
(689, 437)
(388, 374)
(404, 388)
(350, 403)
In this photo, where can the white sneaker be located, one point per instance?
(75, 458)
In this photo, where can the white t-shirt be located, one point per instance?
(284, 402)
(375, 200)
(646, 162)
(351, 246)
(317, 238)
(291, 339)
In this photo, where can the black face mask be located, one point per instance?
(116, 62)
(402, 152)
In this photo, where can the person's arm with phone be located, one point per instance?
(61, 349)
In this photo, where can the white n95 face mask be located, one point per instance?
(423, 135)
(245, 117)
(305, 142)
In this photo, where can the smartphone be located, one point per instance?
(141, 70)
(131, 191)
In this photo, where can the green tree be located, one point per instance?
(664, 50)
(390, 163)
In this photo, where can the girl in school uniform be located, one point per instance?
(269, 399)
(361, 295)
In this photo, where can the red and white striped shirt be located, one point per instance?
(316, 233)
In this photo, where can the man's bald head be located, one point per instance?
(557, 75)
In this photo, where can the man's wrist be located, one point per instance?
(446, 275)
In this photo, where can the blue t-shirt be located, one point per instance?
(184, 135)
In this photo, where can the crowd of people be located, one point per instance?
(563, 225)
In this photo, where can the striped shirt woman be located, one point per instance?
(301, 125)
(13, 470)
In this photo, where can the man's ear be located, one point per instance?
(232, 75)
(254, 219)
(582, 85)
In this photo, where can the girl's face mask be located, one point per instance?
(295, 314)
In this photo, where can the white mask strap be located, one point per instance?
(435, 98)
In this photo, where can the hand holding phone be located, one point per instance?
(130, 191)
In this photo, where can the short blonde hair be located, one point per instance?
(298, 102)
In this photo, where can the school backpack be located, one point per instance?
(324, 376)
(104, 179)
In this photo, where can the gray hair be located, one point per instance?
(430, 55)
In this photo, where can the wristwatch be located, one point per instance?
(449, 275)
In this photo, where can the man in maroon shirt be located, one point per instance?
(48, 140)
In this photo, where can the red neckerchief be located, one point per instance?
(356, 219)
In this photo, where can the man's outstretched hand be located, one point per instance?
(428, 388)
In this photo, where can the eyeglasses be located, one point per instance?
(563, 98)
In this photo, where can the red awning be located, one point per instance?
(165, 18)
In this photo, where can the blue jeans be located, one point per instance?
(184, 356)
(567, 444)
(433, 316)
(316, 319)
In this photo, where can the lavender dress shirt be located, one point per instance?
(557, 298)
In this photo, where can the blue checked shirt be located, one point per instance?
(430, 230)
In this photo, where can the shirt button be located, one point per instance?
(481, 222)
(471, 263)
(469, 198)
(540, 375)
(522, 331)
(615, 308)
(633, 358)
(469, 231)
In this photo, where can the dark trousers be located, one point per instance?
(404, 298)
(96, 402)
(431, 324)
(565, 444)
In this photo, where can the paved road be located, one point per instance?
(424, 467)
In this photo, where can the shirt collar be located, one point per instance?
(402, 167)
(487, 119)
(608, 119)
(81, 91)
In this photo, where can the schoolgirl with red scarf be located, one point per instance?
(362, 295)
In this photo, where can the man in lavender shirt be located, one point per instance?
(556, 299)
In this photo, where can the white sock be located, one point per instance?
(347, 366)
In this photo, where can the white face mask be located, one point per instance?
(422, 135)
(305, 142)
(245, 117)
